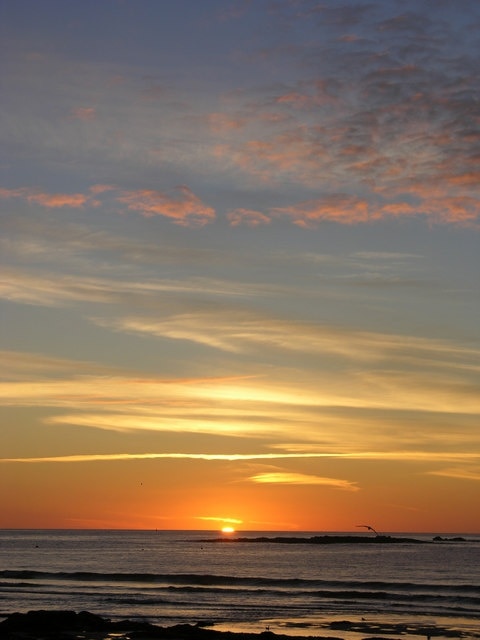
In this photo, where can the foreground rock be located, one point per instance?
(63, 624)
(69, 625)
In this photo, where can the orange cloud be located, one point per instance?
(339, 208)
(56, 200)
(52, 200)
(185, 209)
(348, 209)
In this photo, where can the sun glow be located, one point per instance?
(228, 529)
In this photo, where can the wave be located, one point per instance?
(168, 594)
(234, 581)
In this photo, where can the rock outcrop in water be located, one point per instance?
(378, 539)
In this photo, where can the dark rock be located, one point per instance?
(54, 621)
(344, 625)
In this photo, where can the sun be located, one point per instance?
(228, 529)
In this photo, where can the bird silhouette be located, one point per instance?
(367, 526)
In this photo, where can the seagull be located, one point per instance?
(367, 526)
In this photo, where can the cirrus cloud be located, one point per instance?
(282, 477)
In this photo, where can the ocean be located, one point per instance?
(171, 577)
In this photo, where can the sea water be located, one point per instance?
(170, 577)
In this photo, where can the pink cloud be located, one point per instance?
(185, 208)
(52, 200)
(397, 209)
(347, 209)
(247, 217)
(55, 200)
(461, 209)
(344, 209)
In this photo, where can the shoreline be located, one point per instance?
(70, 625)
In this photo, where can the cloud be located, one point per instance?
(27, 238)
(185, 208)
(247, 217)
(115, 457)
(360, 417)
(20, 366)
(302, 479)
(259, 407)
(336, 208)
(50, 289)
(401, 456)
(305, 450)
(216, 519)
(243, 331)
(51, 200)
(458, 474)
(375, 101)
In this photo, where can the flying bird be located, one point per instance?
(367, 526)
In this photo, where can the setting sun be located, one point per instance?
(228, 529)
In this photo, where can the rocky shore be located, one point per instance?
(70, 625)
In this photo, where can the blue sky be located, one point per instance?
(246, 231)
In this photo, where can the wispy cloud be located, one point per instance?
(238, 332)
(217, 519)
(458, 473)
(282, 477)
(50, 289)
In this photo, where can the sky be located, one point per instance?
(239, 248)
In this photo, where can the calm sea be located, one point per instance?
(169, 577)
